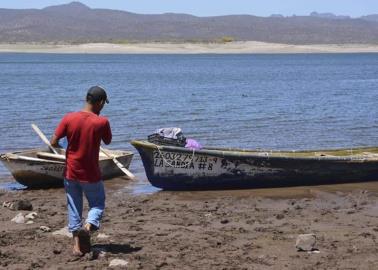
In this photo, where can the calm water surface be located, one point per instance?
(302, 101)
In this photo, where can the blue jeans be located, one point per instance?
(95, 194)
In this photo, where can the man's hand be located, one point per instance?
(55, 142)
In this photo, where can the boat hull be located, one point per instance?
(175, 168)
(42, 173)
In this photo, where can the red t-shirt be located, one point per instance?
(84, 132)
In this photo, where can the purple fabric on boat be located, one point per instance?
(193, 144)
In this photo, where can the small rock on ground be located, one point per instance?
(102, 236)
(280, 216)
(19, 218)
(45, 229)
(8, 205)
(305, 242)
(31, 215)
(224, 221)
(23, 205)
(62, 232)
(118, 262)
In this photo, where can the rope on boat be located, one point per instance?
(170, 164)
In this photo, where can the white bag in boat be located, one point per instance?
(171, 133)
(168, 136)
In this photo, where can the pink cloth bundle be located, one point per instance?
(193, 144)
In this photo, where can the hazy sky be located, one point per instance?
(218, 7)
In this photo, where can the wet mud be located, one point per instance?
(240, 229)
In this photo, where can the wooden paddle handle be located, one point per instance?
(43, 137)
(119, 164)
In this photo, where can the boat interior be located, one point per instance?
(47, 154)
(367, 152)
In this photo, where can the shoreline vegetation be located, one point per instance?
(224, 47)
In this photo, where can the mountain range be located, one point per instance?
(77, 23)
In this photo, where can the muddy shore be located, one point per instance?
(248, 229)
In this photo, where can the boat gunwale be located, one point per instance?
(234, 152)
(17, 155)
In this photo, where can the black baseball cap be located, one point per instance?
(97, 93)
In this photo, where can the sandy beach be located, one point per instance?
(247, 229)
(188, 48)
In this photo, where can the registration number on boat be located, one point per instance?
(52, 168)
(184, 161)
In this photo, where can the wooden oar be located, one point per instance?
(43, 137)
(119, 164)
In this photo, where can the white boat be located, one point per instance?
(38, 168)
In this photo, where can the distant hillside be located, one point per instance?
(373, 18)
(76, 22)
(328, 16)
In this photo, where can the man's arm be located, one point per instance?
(107, 135)
(60, 132)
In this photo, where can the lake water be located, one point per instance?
(294, 101)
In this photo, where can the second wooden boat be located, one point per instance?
(178, 168)
(37, 168)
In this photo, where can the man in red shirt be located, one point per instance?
(84, 131)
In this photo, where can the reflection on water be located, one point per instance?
(142, 189)
(138, 186)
